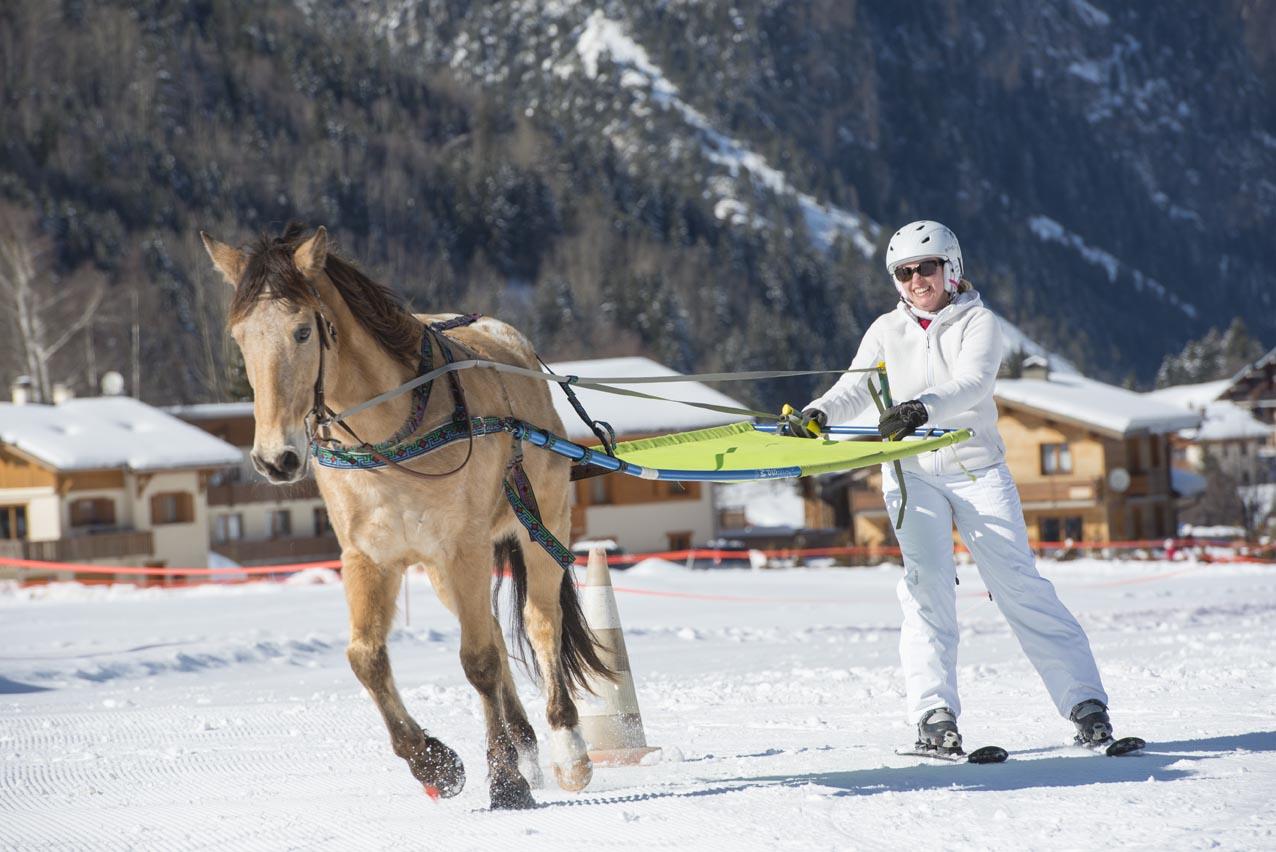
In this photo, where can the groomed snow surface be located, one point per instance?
(226, 718)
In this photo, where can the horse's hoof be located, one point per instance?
(529, 768)
(511, 794)
(439, 769)
(574, 777)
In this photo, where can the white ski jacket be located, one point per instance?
(950, 367)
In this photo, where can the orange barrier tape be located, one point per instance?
(80, 568)
(1250, 553)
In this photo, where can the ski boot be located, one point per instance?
(937, 731)
(1093, 725)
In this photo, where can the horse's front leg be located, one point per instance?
(516, 720)
(483, 658)
(371, 591)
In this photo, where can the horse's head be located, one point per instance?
(279, 320)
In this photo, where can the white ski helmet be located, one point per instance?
(922, 239)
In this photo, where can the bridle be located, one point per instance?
(320, 415)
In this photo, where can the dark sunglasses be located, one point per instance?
(904, 274)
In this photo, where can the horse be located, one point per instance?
(313, 330)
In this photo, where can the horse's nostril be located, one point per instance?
(263, 466)
(289, 462)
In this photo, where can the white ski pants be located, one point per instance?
(990, 521)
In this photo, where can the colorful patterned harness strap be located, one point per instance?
(402, 447)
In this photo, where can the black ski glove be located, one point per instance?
(799, 425)
(902, 418)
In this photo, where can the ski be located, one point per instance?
(987, 754)
(1115, 748)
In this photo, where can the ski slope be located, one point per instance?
(226, 718)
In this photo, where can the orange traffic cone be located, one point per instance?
(609, 718)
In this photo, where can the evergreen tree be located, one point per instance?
(1214, 356)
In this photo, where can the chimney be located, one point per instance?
(61, 393)
(1035, 367)
(22, 390)
(112, 384)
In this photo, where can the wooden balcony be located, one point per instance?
(866, 500)
(238, 493)
(1061, 491)
(84, 548)
(276, 551)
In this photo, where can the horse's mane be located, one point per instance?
(271, 273)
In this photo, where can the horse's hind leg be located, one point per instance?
(566, 655)
(370, 593)
(484, 660)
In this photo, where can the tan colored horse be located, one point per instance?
(387, 520)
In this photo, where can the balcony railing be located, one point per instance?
(1088, 490)
(867, 500)
(83, 548)
(275, 551)
(238, 493)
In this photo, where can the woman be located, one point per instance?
(942, 349)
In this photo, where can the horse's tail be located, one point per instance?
(578, 649)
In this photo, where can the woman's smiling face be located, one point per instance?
(925, 291)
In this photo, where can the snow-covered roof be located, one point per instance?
(1255, 365)
(1222, 420)
(102, 433)
(1227, 421)
(1101, 406)
(632, 416)
(210, 410)
(1195, 397)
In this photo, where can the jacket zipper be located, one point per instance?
(930, 382)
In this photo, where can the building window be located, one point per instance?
(93, 512)
(1133, 458)
(228, 528)
(173, 507)
(1055, 458)
(1073, 529)
(323, 526)
(1050, 529)
(280, 523)
(599, 493)
(679, 540)
(13, 522)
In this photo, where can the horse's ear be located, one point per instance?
(229, 260)
(311, 255)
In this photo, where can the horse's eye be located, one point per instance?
(302, 334)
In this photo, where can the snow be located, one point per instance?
(1227, 421)
(1222, 420)
(1017, 340)
(95, 433)
(227, 717)
(768, 503)
(824, 222)
(1090, 15)
(1095, 403)
(633, 415)
(1194, 396)
(210, 410)
(1048, 230)
(1262, 498)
